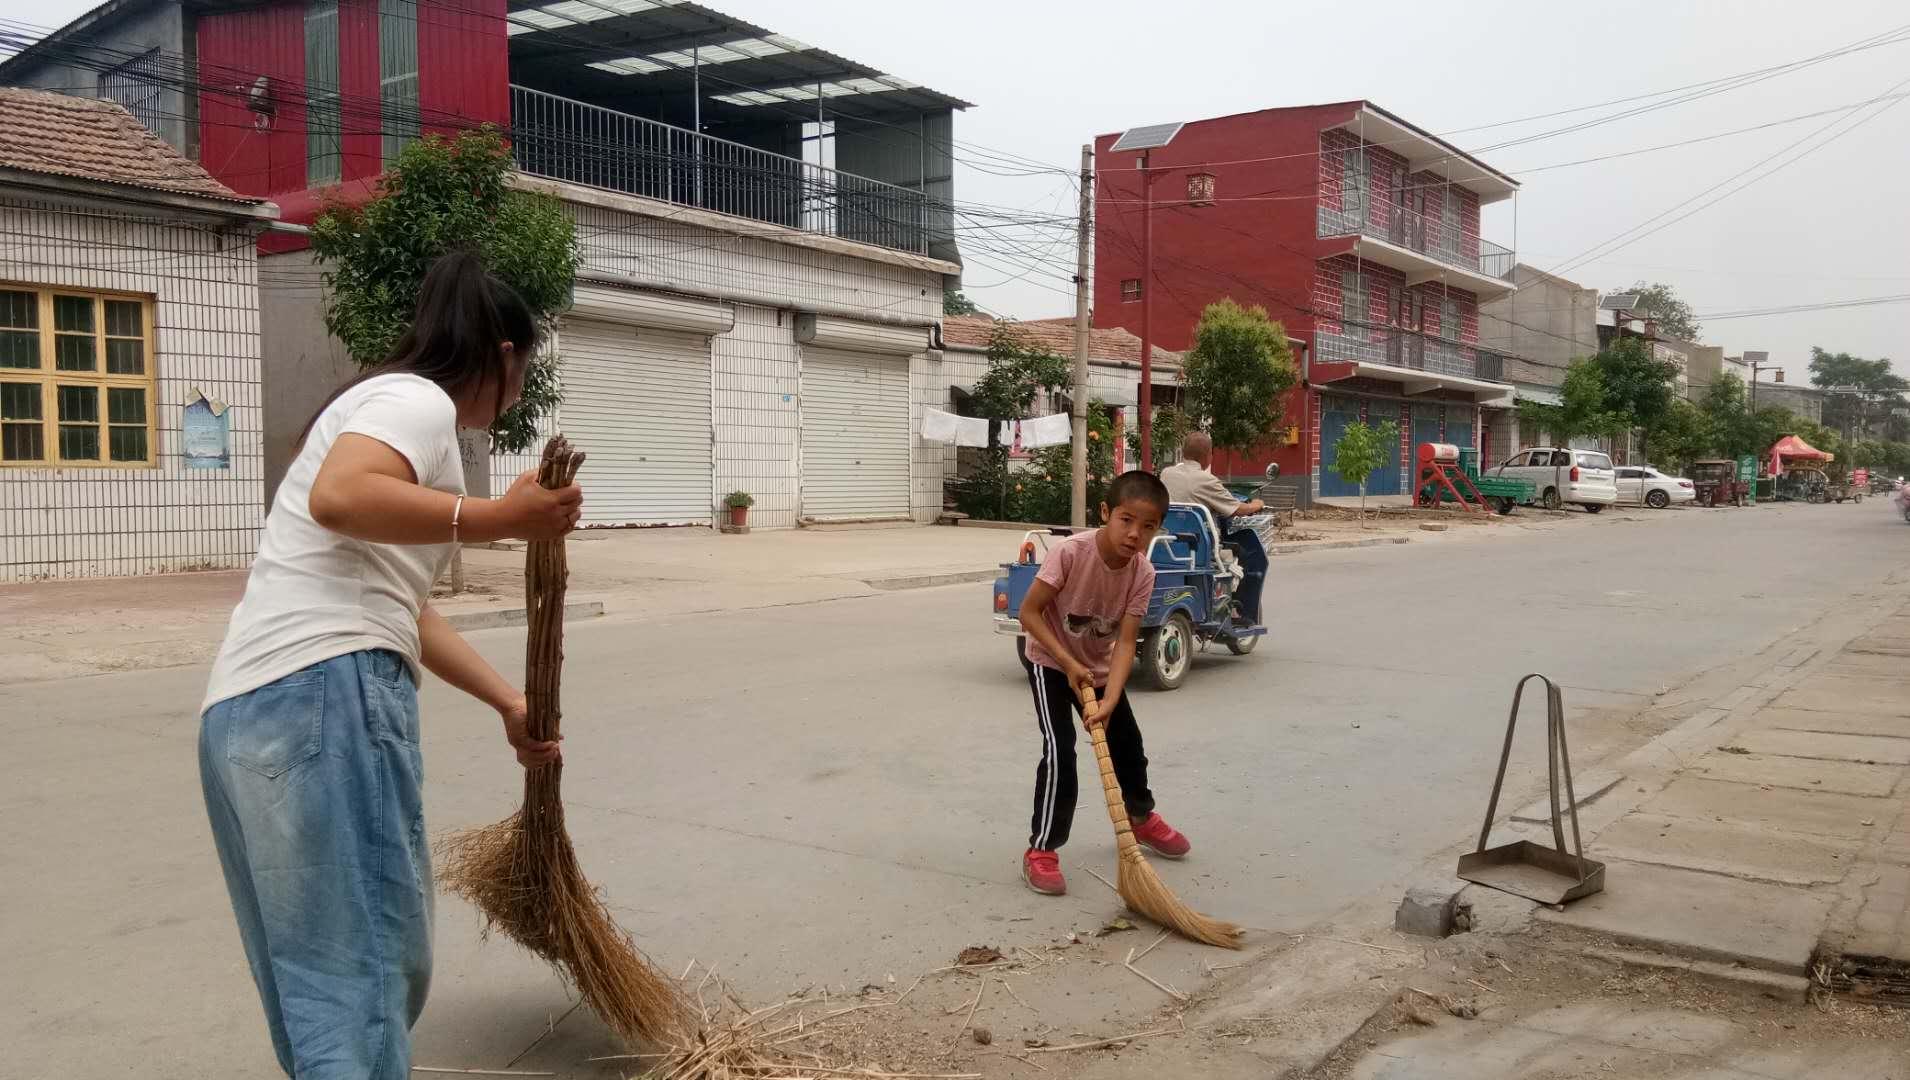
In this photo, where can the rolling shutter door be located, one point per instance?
(855, 434)
(637, 400)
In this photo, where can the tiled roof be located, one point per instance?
(1054, 335)
(89, 139)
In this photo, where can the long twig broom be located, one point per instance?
(522, 872)
(1140, 887)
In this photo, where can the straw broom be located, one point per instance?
(1140, 887)
(522, 872)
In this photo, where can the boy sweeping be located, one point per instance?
(1082, 616)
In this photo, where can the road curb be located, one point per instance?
(517, 616)
(930, 581)
(1301, 547)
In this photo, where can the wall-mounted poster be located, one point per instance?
(208, 432)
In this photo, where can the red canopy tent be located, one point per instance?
(1790, 446)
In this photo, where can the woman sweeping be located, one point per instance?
(308, 749)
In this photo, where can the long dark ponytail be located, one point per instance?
(464, 312)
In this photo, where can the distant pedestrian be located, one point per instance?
(308, 749)
(1082, 616)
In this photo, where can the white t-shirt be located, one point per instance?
(314, 594)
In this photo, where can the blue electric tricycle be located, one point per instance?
(1194, 601)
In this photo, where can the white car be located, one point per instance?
(1561, 476)
(1655, 488)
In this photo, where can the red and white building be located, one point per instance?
(1356, 230)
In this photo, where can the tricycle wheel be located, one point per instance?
(1241, 646)
(1504, 505)
(1167, 652)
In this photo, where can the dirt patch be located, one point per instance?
(1494, 981)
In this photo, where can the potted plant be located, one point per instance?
(739, 503)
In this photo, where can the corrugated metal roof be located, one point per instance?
(650, 42)
(89, 139)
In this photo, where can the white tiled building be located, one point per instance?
(707, 354)
(128, 292)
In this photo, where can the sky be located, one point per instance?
(1833, 225)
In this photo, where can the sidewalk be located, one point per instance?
(1757, 858)
(1779, 842)
(60, 629)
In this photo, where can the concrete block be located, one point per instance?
(1730, 848)
(1825, 746)
(1784, 772)
(1433, 910)
(1884, 697)
(1817, 813)
(1842, 723)
(1772, 927)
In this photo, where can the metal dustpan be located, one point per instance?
(1549, 875)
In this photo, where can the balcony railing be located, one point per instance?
(1426, 234)
(561, 139)
(1379, 343)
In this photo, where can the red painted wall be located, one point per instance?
(463, 81)
(463, 64)
(251, 154)
(1255, 244)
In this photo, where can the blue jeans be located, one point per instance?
(313, 785)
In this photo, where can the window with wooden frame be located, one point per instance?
(76, 378)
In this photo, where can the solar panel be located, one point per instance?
(1150, 137)
(1624, 301)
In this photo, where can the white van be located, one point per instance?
(1560, 476)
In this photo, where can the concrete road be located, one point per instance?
(831, 793)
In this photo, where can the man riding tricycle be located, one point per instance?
(1209, 580)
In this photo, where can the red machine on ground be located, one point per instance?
(1439, 469)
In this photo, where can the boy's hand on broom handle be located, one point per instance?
(530, 752)
(1092, 714)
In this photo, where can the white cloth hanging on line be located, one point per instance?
(938, 427)
(971, 431)
(950, 430)
(1043, 431)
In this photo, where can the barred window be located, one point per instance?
(76, 378)
(136, 85)
(398, 74)
(324, 126)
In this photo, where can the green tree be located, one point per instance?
(1018, 374)
(1869, 390)
(956, 302)
(1660, 302)
(1361, 449)
(1582, 409)
(1236, 377)
(439, 196)
(1681, 435)
(1637, 385)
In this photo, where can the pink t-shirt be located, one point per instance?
(1090, 600)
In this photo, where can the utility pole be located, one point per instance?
(1078, 504)
(1756, 362)
(1147, 316)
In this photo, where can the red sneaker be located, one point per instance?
(1157, 834)
(1042, 871)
